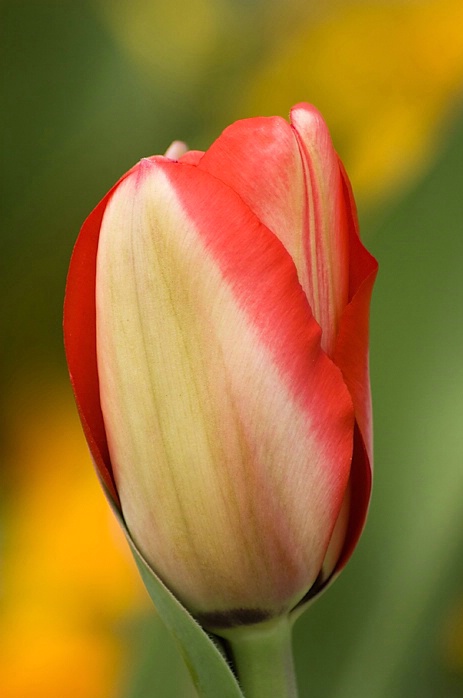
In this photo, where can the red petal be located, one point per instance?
(289, 176)
(79, 327)
(192, 157)
(352, 343)
(351, 355)
(260, 160)
(360, 490)
(325, 233)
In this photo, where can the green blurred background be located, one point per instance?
(87, 89)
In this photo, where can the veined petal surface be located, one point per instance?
(219, 404)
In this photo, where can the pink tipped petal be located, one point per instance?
(241, 418)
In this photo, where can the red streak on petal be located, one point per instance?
(264, 280)
(79, 327)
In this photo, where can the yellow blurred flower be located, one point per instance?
(68, 577)
(384, 74)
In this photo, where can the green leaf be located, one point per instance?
(208, 668)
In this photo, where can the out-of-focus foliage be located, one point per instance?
(87, 89)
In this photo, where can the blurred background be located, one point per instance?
(87, 89)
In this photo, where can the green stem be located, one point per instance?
(263, 658)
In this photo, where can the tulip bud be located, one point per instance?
(216, 327)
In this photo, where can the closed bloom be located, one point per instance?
(216, 329)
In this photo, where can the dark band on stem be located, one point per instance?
(233, 618)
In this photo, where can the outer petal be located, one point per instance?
(79, 329)
(352, 345)
(289, 176)
(80, 340)
(351, 355)
(219, 404)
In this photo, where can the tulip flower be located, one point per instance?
(216, 330)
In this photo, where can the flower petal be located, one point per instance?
(192, 157)
(326, 226)
(219, 403)
(351, 355)
(352, 344)
(289, 176)
(360, 482)
(80, 340)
